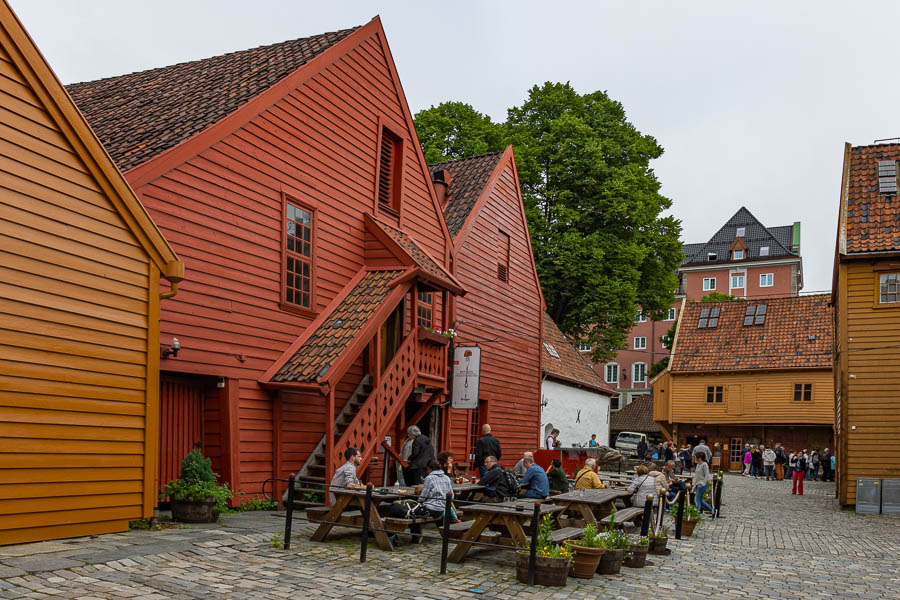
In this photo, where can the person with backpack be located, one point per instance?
(499, 483)
(535, 482)
(813, 469)
(586, 478)
(780, 459)
(800, 463)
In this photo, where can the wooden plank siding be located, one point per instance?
(502, 317)
(221, 208)
(79, 300)
(867, 407)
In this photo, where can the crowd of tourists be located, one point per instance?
(777, 464)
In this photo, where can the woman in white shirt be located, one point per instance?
(701, 482)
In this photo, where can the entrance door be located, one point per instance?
(180, 423)
(736, 454)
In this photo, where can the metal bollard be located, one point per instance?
(679, 514)
(445, 534)
(648, 513)
(718, 496)
(367, 512)
(289, 513)
(535, 525)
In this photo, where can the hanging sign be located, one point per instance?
(466, 371)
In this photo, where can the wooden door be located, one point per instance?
(734, 400)
(736, 454)
(180, 423)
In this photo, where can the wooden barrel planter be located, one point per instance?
(194, 511)
(658, 545)
(638, 556)
(611, 562)
(547, 571)
(687, 527)
(585, 561)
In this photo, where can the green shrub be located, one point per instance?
(197, 483)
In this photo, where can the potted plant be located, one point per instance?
(195, 496)
(659, 537)
(552, 560)
(588, 552)
(616, 544)
(637, 550)
(690, 520)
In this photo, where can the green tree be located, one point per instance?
(719, 297)
(594, 209)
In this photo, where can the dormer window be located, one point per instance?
(764, 251)
(712, 256)
(741, 231)
(738, 255)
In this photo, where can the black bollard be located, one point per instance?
(445, 534)
(367, 512)
(718, 498)
(535, 525)
(679, 514)
(289, 513)
(648, 514)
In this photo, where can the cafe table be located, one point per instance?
(511, 515)
(351, 499)
(590, 505)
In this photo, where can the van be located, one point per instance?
(627, 442)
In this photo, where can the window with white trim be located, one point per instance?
(740, 232)
(640, 342)
(711, 256)
(664, 342)
(737, 281)
(766, 279)
(764, 251)
(738, 254)
(671, 315)
(639, 373)
(584, 346)
(890, 288)
(640, 317)
(612, 373)
(709, 283)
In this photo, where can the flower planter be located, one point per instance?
(585, 561)
(194, 511)
(547, 570)
(687, 526)
(638, 556)
(611, 562)
(658, 545)
(431, 336)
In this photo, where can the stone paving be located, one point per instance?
(769, 545)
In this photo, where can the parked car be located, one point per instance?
(627, 442)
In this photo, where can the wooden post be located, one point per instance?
(329, 436)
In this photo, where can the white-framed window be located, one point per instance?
(639, 372)
(640, 317)
(764, 251)
(890, 288)
(640, 342)
(663, 341)
(738, 254)
(671, 315)
(612, 373)
(709, 283)
(584, 346)
(737, 281)
(711, 256)
(740, 232)
(766, 279)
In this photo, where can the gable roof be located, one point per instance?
(469, 176)
(72, 125)
(140, 115)
(869, 221)
(637, 416)
(756, 236)
(781, 342)
(567, 364)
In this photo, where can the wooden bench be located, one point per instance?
(566, 533)
(349, 517)
(399, 525)
(457, 530)
(624, 515)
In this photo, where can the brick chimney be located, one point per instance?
(441, 180)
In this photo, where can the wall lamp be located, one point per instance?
(173, 349)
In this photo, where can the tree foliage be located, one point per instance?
(594, 208)
(719, 297)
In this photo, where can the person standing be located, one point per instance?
(702, 477)
(550, 442)
(813, 470)
(641, 448)
(487, 445)
(593, 443)
(825, 461)
(685, 456)
(780, 459)
(833, 466)
(748, 461)
(702, 448)
(669, 453)
(768, 456)
(800, 462)
(422, 452)
(756, 463)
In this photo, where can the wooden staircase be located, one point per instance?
(314, 467)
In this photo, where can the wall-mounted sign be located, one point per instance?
(466, 371)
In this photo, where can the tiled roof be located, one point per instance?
(756, 235)
(311, 360)
(567, 363)
(140, 115)
(637, 416)
(784, 234)
(871, 220)
(468, 178)
(418, 255)
(690, 250)
(783, 341)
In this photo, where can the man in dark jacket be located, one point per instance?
(780, 459)
(422, 452)
(486, 446)
(641, 448)
(495, 480)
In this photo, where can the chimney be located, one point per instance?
(441, 180)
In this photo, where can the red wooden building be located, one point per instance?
(503, 307)
(290, 180)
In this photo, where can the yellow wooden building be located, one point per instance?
(866, 297)
(80, 269)
(749, 372)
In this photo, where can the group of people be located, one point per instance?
(797, 465)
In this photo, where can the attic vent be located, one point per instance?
(388, 160)
(551, 350)
(764, 251)
(741, 231)
(711, 256)
(709, 318)
(755, 314)
(887, 177)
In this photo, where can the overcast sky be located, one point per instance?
(752, 101)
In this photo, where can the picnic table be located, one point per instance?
(591, 505)
(352, 499)
(461, 491)
(511, 515)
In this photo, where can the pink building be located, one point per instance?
(744, 258)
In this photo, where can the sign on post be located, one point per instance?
(466, 371)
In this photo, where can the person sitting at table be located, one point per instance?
(519, 469)
(676, 484)
(434, 491)
(559, 481)
(535, 483)
(345, 476)
(587, 478)
(646, 483)
(496, 484)
(445, 459)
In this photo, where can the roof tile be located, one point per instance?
(421, 258)
(637, 416)
(868, 212)
(468, 178)
(567, 363)
(756, 236)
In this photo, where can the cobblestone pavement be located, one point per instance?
(769, 545)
